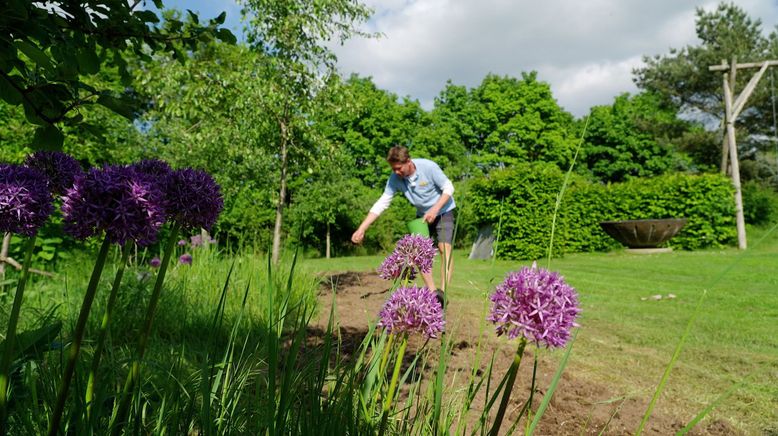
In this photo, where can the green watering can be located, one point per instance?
(419, 227)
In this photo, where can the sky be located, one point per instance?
(585, 49)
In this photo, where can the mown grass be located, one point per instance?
(627, 338)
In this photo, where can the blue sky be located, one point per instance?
(586, 50)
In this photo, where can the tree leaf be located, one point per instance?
(193, 16)
(226, 36)
(33, 52)
(8, 93)
(47, 137)
(88, 62)
(147, 16)
(117, 105)
(220, 18)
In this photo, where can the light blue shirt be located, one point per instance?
(424, 188)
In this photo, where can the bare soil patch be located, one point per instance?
(579, 406)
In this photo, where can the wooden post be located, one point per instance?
(730, 123)
(732, 108)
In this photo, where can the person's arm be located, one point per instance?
(447, 188)
(381, 205)
(432, 212)
(359, 234)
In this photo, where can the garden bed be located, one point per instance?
(579, 406)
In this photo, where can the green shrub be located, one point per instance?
(760, 203)
(525, 196)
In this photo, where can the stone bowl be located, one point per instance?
(643, 233)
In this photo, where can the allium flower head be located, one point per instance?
(115, 200)
(60, 169)
(413, 253)
(158, 173)
(155, 262)
(185, 259)
(194, 199)
(25, 200)
(196, 240)
(181, 242)
(412, 310)
(537, 304)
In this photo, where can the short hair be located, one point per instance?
(398, 154)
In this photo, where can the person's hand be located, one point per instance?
(358, 236)
(430, 216)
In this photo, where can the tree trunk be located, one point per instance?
(328, 241)
(281, 193)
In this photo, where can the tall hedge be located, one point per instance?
(521, 200)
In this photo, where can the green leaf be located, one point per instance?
(117, 105)
(193, 16)
(220, 18)
(9, 93)
(88, 62)
(33, 52)
(226, 36)
(147, 16)
(48, 137)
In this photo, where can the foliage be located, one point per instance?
(633, 137)
(326, 210)
(506, 120)
(522, 199)
(760, 204)
(682, 77)
(364, 122)
(48, 52)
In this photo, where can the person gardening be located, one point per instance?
(429, 190)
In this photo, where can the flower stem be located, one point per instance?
(506, 394)
(10, 336)
(134, 374)
(104, 327)
(78, 335)
(393, 385)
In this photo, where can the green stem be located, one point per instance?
(104, 327)
(506, 394)
(10, 336)
(134, 374)
(393, 384)
(78, 335)
(382, 367)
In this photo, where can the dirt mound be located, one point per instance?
(578, 406)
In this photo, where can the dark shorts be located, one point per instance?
(442, 229)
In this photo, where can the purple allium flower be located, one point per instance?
(155, 262)
(537, 304)
(196, 241)
(115, 200)
(412, 309)
(185, 259)
(158, 173)
(194, 199)
(60, 169)
(413, 253)
(25, 200)
(181, 242)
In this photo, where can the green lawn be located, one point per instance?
(626, 342)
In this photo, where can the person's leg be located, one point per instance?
(444, 231)
(446, 264)
(429, 282)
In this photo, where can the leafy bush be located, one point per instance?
(522, 200)
(760, 203)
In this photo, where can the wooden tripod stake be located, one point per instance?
(732, 108)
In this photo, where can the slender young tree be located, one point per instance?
(295, 35)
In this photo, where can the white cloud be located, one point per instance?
(586, 50)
